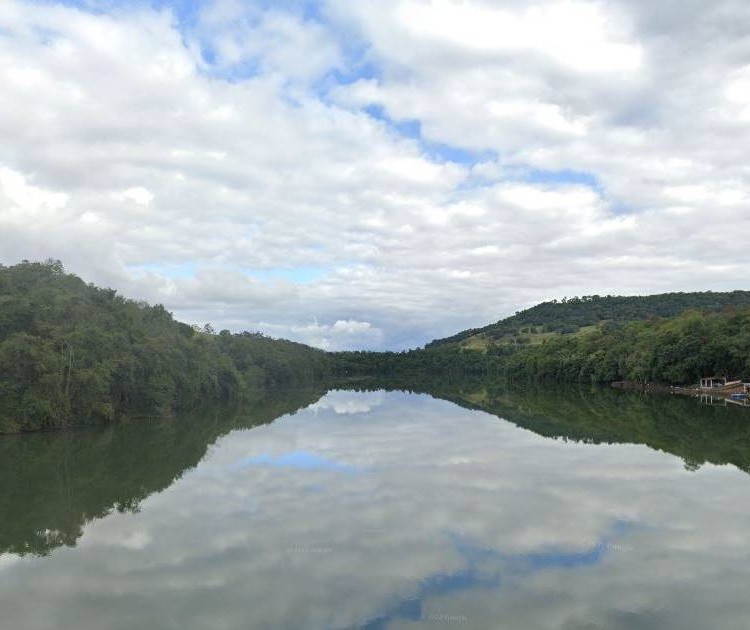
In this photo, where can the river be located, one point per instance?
(480, 508)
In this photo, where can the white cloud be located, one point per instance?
(19, 194)
(344, 402)
(275, 41)
(341, 335)
(237, 149)
(573, 34)
(137, 194)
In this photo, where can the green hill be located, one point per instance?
(72, 353)
(582, 314)
(674, 338)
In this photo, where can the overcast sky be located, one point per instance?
(376, 173)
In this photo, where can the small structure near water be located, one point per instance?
(722, 385)
(735, 392)
(714, 390)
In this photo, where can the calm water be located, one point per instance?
(385, 510)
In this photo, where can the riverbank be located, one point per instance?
(731, 394)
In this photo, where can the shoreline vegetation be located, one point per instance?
(654, 353)
(73, 354)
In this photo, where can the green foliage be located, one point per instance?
(445, 362)
(72, 353)
(678, 350)
(569, 315)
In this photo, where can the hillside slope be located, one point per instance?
(677, 350)
(72, 353)
(551, 319)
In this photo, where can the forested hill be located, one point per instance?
(549, 319)
(72, 353)
(675, 350)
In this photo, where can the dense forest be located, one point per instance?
(72, 353)
(676, 350)
(448, 363)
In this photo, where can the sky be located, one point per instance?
(380, 173)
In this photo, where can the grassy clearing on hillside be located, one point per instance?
(525, 336)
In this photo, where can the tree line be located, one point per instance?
(673, 350)
(72, 353)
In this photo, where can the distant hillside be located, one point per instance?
(72, 353)
(677, 350)
(551, 319)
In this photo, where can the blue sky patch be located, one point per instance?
(408, 128)
(307, 273)
(440, 152)
(436, 151)
(236, 73)
(352, 73)
(563, 176)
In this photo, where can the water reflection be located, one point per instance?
(673, 424)
(600, 415)
(391, 510)
(53, 484)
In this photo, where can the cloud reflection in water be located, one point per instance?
(460, 517)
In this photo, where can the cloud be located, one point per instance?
(346, 402)
(241, 39)
(439, 165)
